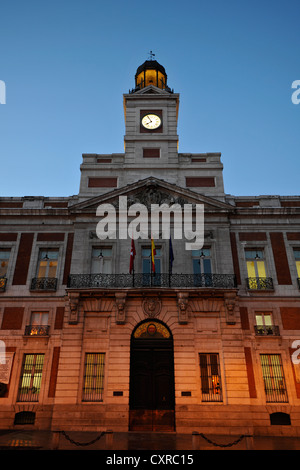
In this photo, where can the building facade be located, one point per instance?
(199, 340)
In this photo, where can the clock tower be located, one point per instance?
(151, 114)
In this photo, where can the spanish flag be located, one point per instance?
(153, 253)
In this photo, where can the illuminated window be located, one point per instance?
(297, 260)
(31, 377)
(211, 386)
(256, 270)
(47, 263)
(4, 259)
(274, 380)
(93, 381)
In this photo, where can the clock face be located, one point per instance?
(151, 121)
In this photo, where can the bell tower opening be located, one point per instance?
(152, 391)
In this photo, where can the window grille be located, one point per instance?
(93, 381)
(274, 380)
(24, 417)
(211, 386)
(31, 377)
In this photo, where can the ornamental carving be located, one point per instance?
(152, 195)
(183, 307)
(151, 307)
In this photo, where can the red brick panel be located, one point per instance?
(252, 236)
(290, 317)
(151, 153)
(199, 182)
(50, 237)
(59, 318)
(250, 372)
(12, 318)
(8, 237)
(54, 369)
(235, 258)
(103, 182)
(280, 259)
(244, 318)
(68, 257)
(23, 259)
(293, 236)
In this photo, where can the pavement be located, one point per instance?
(25, 439)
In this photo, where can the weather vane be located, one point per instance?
(151, 55)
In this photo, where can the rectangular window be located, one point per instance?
(93, 381)
(47, 263)
(202, 267)
(102, 260)
(297, 260)
(31, 377)
(274, 380)
(38, 324)
(256, 270)
(4, 259)
(211, 386)
(264, 324)
(150, 278)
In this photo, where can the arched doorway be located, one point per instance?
(152, 394)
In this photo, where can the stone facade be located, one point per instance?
(221, 321)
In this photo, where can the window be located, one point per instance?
(150, 278)
(4, 259)
(202, 267)
(102, 260)
(273, 376)
(297, 261)
(47, 263)
(93, 381)
(38, 324)
(31, 377)
(256, 269)
(211, 386)
(264, 324)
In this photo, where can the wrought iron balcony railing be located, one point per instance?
(260, 283)
(3, 282)
(37, 330)
(262, 330)
(224, 281)
(44, 284)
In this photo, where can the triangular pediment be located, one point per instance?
(151, 191)
(151, 89)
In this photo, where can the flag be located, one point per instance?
(153, 253)
(171, 256)
(132, 256)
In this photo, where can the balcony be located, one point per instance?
(43, 284)
(81, 281)
(37, 330)
(260, 283)
(3, 282)
(270, 330)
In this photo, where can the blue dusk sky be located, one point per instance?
(67, 63)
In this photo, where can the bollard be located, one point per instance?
(55, 440)
(196, 440)
(249, 442)
(109, 438)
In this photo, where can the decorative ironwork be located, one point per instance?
(151, 329)
(44, 283)
(274, 379)
(37, 330)
(79, 281)
(3, 282)
(263, 330)
(260, 283)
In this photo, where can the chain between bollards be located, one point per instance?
(108, 441)
(196, 441)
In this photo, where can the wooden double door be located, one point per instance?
(152, 396)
